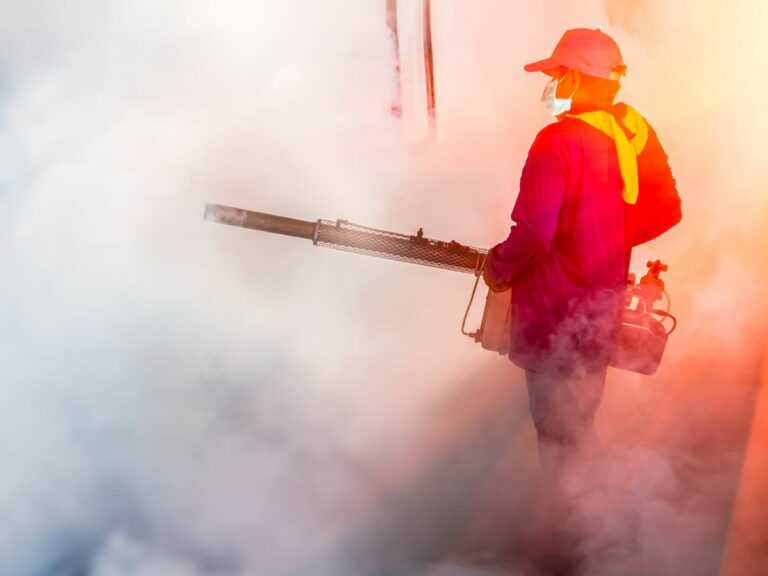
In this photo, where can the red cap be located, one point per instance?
(590, 51)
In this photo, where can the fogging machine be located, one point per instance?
(642, 336)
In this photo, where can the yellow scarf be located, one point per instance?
(628, 149)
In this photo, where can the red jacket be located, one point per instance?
(567, 254)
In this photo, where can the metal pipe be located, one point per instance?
(343, 235)
(429, 70)
(396, 107)
(260, 221)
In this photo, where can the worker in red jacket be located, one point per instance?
(595, 184)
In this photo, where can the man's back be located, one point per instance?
(570, 198)
(570, 249)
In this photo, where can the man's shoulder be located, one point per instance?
(629, 115)
(636, 122)
(558, 132)
(564, 133)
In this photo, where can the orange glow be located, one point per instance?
(745, 551)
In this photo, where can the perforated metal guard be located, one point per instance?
(415, 249)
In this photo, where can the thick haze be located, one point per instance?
(179, 398)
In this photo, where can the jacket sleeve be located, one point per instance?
(658, 204)
(536, 211)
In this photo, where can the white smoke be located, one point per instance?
(182, 398)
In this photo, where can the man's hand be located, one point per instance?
(492, 284)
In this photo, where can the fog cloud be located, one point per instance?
(180, 398)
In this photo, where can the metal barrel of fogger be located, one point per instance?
(259, 221)
(343, 235)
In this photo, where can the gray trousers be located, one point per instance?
(563, 408)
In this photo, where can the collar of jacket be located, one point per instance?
(627, 128)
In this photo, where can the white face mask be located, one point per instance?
(552, 103)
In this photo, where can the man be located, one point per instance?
(595, 184)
